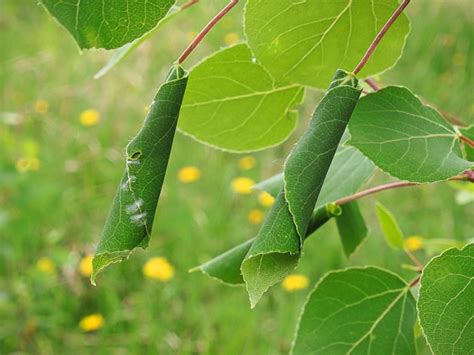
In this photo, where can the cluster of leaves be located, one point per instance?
(243, 98)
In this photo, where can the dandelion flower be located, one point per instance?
(92, 322)
(89, 118)
(189, 174)
(26, 164)
(295, 282)
(265, 199)
(242, 185)
(41, 106)
(158, 268)
(231, 38)
(413, 243)
(22, 165)
(256, 216)
(247, 163)
(45, 265)
(85, 266)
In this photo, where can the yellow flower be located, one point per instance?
(247, 163)
(26, 164)
(41, 106)
(189, 174)
(256, 216)
(413, 243)
(45, 265)
(295, 282)
(265, 199)
(158, 268)
(242, 185)
(85, 266)
(231, 38)
(92, 322)
(89, 118)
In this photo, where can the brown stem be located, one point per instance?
(372, 84)
(414, 282)
(466, 140)
(392, 185)
(200, 36)
(380, 35)
(413, 258)
(188, 4)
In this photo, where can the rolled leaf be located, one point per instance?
(349, 171)
(277, 247)
(130, 219)
(226, 266)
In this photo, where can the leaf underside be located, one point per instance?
(348, 165)
(233, 104)
(97, 24)
(131, 216)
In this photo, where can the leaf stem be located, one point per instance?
(372, 83)
(393, 185)
(188, 4)
(418, 264)
(200, 36)
(380, 35)
(414, 282)
(466, 140)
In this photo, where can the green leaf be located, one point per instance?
(405, 138)
(111, 24)
(226, 267)
(276, 249)
(468, 150)
(123, 52)
(357, 311)
(232, 103)
(435, 246)
(445, 304)
(352, 228)
(349, 171)
(130, 219)
(392, 232)
(304, 42)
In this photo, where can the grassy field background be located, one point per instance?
(57, 211)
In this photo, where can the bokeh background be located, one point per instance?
(62, 138)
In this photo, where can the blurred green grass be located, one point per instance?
(57, 212)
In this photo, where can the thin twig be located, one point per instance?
(414, 282)
(466, 140)
(205, 30)
(371, 82)
(380, 35)
(413, 258)
(188, 4)
(392, 185)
